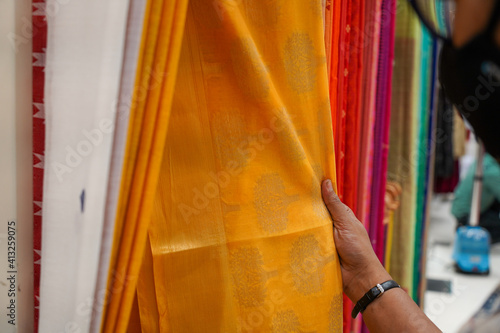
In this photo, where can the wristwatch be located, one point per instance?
(371, 295)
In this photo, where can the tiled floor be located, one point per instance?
(450, 311)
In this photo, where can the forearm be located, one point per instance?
(395, 311)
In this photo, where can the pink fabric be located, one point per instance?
(372, 33)
(380, 248)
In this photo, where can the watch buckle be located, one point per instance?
(381, 289)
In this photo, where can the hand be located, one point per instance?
(360, 267)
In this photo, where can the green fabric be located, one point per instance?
(404, 137)
(491, 188)
(424, 101)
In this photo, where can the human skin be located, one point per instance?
(361, 270)
(471, 18)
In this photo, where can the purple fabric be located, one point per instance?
(382, 121)
(380, 250)
(381, 135)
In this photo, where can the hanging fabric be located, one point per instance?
(81, 87)
(372, 30)
(384, 71)
(381, 131)
(332, 39)
(149, 119)
(402, 169)
(353, 98)
(429, 178)
(339, 121)
(427, 79)
(240, 239)
(340, 114)
(370, 48)
(135, 21)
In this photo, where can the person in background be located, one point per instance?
(470, 68)
(490, 198)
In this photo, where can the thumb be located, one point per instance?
(340, 213)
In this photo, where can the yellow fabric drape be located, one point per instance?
(149, 118)
(240, 240)
(388, 246)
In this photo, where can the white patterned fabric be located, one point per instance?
(85, 46)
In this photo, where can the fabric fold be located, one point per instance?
(238, 219)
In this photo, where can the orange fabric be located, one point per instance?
(150, 111)
(240, 240)
(333, 24)
(353, 105)
(134, 324)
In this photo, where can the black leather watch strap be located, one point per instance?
(372, 294)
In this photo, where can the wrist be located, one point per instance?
(366, 280)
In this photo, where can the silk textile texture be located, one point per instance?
(382, 125)
(127, 82)
(240, 239)
(157, 65)
(372, 30)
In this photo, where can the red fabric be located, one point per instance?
(353, 107)
(351, 97)
(39, 44)
(340, 133)
(341, 96)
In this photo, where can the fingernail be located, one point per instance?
(329, 186)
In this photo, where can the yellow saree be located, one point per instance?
(239, 239)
